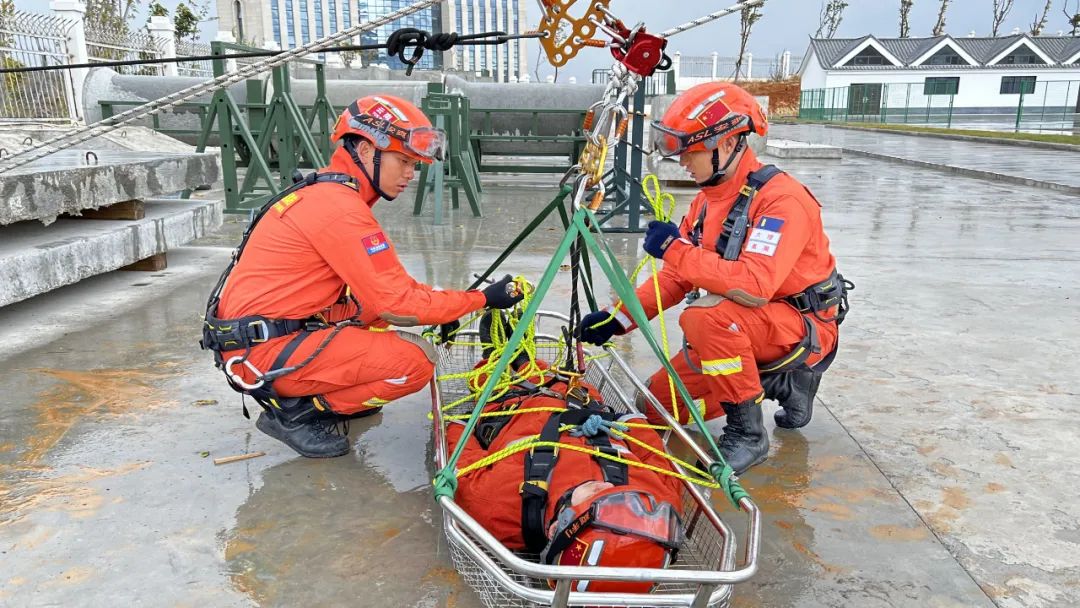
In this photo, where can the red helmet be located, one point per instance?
(392, 124)
(705, 115)
(621, 529)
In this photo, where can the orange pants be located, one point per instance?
(727, 341)
(359, 369)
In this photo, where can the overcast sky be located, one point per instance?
(786, 24)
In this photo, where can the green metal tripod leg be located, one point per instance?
(556, 203)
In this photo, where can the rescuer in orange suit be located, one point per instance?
(754, 254)
(309, 303)
(627, 516)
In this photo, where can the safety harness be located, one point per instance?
(813, 300)
(541, 460)
(224, 335)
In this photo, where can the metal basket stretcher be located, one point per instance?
(706, 567)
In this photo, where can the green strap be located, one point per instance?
(720, 470)
(511, 346)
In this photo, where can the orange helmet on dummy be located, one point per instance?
(704, 116)
(618, 529)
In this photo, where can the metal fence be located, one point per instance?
(27, 40)
(1048, 106)
(118, 44)
(202, 69)
(660, 83)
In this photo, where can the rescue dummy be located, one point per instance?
(753, 261)
(569, 507)
(301, 319)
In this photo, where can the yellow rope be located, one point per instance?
(663, 207)
(534, 442)
(500, 335)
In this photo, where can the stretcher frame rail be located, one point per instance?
(706, 570)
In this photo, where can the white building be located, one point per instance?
(503, 62)
(970, 75)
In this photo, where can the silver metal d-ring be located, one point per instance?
(236, 378)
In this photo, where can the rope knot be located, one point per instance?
(594, 425)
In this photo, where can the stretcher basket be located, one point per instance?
(706, 567)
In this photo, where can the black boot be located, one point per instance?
(302, 426)
(795, 390)
(744, 442)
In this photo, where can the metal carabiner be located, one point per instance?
(237, 379)
(572, 171)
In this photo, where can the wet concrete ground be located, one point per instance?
(1053, 166)
(939, 469)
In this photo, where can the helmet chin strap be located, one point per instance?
(376, 161)
(718, 171)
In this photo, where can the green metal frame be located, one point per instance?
(265, 136)
(624, 186)
(482, 133)
(458, 170)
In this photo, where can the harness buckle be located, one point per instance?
(237, 379)
(746, 190)
(265, 331)
(537, 483)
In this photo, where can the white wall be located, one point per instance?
(813, 77)
(977, 89)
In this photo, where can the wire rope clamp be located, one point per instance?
(235, 377)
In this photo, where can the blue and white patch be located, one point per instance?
(765, 236)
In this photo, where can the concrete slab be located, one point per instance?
(789, 148)
(35, 259)
(939, 469)
(14, 137)
(1028, 167)
(67, 182)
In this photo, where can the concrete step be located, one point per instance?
(70, 181)
(789, 148)
(35, 259)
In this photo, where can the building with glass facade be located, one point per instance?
(292, 23)
(503, 62)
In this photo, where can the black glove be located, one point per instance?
(446, 331)
(503, 293)
(605, 327)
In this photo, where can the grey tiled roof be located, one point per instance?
(907, 50)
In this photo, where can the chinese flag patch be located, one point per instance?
(381, 112)
(714, 113)
(375, 243)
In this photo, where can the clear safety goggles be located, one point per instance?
(635, 513)
(425, 142)
(670, 142)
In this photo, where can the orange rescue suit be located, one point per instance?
(491, 494)
(310, 250)
(752, 323)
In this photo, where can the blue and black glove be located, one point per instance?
(659, 236)
(598, 327)
(503, 293)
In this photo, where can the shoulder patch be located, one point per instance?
(765, 236)
(286, 201)
(375, 243)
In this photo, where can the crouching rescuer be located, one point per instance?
(752, 259)
(300, 319)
